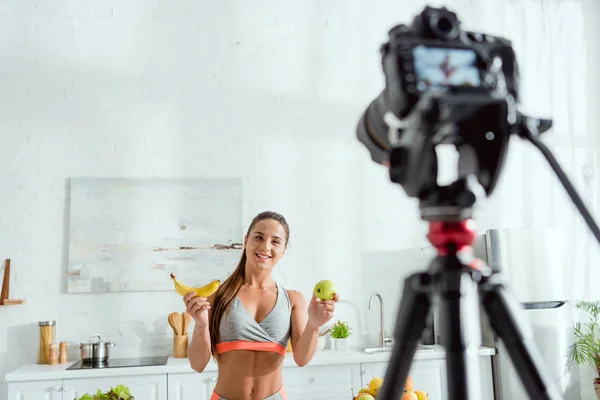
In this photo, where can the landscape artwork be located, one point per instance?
(130, 234)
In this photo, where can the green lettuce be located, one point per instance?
(120, 392)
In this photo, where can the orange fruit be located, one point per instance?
(374, 386)
(409, 396)
(409, 385)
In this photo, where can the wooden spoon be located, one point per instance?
(187, 318)
(173, 321)
(177, 322)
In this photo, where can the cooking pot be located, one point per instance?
(95, 351)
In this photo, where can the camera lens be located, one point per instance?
(444, 25)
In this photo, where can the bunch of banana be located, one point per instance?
(204, 291)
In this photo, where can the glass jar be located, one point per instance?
(47, 336)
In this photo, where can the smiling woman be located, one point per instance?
(247, 324)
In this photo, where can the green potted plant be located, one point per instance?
(340, 333)
(586, 348)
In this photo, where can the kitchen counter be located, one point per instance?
(181, 365)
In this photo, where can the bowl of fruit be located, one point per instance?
(370, 392)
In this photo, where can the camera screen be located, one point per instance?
(438, 67)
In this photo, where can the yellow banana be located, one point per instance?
(421, 395)
(204, 291)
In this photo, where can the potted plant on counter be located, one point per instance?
(340, 333)
(586, 348)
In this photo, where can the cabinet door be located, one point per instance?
(35, 390)
(327, 382)
(150, 387)
(191, 386)
(487, 378)
(427, 375)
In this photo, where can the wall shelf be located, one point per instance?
(4, 300)
(11, 302)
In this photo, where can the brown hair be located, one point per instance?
(229, 289)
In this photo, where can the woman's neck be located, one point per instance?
(258, 279)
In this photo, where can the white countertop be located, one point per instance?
(181, 365)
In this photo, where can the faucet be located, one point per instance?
(383, 339)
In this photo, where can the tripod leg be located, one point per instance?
(460, 329)
(503, 312)
(410, 324)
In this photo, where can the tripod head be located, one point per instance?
(445, 86)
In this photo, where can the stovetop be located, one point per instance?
(121, 363)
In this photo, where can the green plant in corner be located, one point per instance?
(340, 330)
(586, 348)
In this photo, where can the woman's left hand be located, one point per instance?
(321, 311)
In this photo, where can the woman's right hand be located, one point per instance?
(198, 308)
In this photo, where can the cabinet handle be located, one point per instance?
(213, 379)
(65, 388)
(314, 379)
(367, 374)
(57, 388)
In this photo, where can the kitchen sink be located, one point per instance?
(371, 350)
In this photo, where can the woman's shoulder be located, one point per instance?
(287, 291)
(296, 297)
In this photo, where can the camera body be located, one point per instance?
(443, 85)
(434, 56)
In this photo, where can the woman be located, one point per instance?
(247, 323)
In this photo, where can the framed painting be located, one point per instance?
(129, 234)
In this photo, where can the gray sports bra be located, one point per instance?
(239, 331)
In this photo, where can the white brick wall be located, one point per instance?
(264, 91)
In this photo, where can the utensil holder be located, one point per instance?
(180, 346)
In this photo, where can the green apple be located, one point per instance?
(325, 290)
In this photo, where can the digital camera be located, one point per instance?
(443, 85)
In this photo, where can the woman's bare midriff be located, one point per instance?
(248, 375)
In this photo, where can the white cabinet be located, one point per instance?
(191, 386)
(147, 387)
(150, 387)
(310, 382)
(487, 378)
(330, 382)
(430, 376)
(36, 390)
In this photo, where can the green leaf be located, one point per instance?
(120, 392)
(585, 349)
(340, 330)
